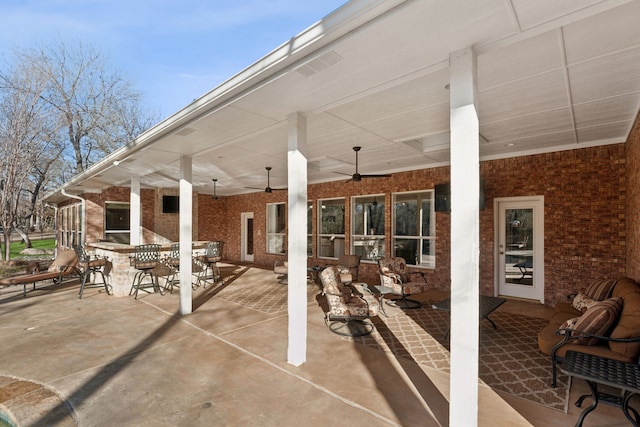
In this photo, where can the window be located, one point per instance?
(116, 222)
(330, 228)
(309, 228)
(71, 225)
(367, 227)
(414, 230)
(276, 227)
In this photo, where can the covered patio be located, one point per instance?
(433, 92)
(102, 361)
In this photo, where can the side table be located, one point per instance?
(382, 291)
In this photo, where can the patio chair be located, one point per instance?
(63, 265)
(146, 258)
(88, 266)
(348, 267)
(350, 307)
(209, 261)
(401, 282)
(282, 271)
(173, 262)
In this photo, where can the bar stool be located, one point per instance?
(209, 261)
(145, 259)
(173, 262)
(88, 266)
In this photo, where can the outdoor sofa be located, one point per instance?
(603, 320)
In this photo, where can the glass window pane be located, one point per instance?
(116, 216)
(332, 217)
(370, 248)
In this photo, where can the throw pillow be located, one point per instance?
(568, 324)
(598, 320)
(581, 302)
(600, 289)
(628, 327)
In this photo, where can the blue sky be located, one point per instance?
(173, 51)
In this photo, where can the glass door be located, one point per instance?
(520, 246)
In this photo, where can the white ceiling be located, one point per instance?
(552, 75)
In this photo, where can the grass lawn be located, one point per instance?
(16, 248)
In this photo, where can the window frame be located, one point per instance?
(331, 238)
(276, 237)
(423, 260)
(375, 249)
(119, 231)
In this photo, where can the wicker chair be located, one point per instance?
(349, 307)
(394, 275)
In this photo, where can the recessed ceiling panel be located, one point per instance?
(610, 31)
(613, 132)
(603, 111)
(528, 126)
(432, 119)
(540, 93)
(534, 13)
(606, 76)
(527, 58)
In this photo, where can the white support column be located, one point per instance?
(186, 237)
(465, 239)
(297, 241)
(135, 232)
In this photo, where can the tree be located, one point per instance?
(25, 132)
(68, 106)
(99, 108)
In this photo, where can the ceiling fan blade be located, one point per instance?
(386, 175)
(342, 173)
(254, 188)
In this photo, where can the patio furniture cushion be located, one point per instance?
(333, 285)
(600, 289)
(628, 327)
(582, 303)
(598, 320)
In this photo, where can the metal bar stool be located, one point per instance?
(173, 262)
(209, 261)
(87, 267)
(145, 259)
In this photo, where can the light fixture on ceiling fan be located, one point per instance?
(215, 196)
(357, 176)
(268, 188)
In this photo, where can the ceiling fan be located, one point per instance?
(357, 176)
(268, 188)
(215, 196)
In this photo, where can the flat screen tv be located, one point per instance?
(170, 204)
(443, 197)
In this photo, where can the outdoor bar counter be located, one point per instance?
(122, 273)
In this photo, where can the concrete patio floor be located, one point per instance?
(104, 361)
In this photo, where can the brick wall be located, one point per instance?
(585, 202)
(585, 225)
(633, 203)
(584, 210)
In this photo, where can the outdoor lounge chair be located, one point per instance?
(348, 266)
(63, 265)
(350, 306)
(395, 276)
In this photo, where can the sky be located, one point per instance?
(173, 51)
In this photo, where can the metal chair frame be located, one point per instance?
(145, 259)
(88, 266)
(209, 261)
